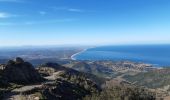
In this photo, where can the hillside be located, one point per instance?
(62, 83)
(107, 69)
(159, 78)
(56, 86)
(123, 92)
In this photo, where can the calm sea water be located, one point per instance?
(159, 55)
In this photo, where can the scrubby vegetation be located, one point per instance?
(122, 92)
(152, 79)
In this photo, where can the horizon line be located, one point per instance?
(80, 45)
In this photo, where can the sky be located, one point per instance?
(84, 22)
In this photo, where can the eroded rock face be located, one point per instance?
(20, 72)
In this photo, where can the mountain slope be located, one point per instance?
(62, 83)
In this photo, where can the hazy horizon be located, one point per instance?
(78, 45)
(84, 22)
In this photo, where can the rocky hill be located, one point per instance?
(61, 83)
(48, 69)
(159, 78)
(20, 72)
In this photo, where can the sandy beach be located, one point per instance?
(72, 57)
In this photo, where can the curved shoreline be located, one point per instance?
(72, 57)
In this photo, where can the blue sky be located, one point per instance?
(84, 22)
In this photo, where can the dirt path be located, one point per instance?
(16, 93)
(26, 88)
(121, 79)
(54, 76)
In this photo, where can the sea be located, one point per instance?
(157, 55)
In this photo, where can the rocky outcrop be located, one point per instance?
(69, 83)
(20, 72)
(68, 73)
(66, 90)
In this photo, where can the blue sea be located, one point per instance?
(158, 55)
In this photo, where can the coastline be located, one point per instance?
(155, 65)
(72, 57)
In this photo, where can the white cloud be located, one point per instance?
(38, 22)
(4, 15)
(68, 9)
(75, 10)
(59, 8)
(12, 0)
(43, 13)
(49, 21)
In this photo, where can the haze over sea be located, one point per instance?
(158, 55)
